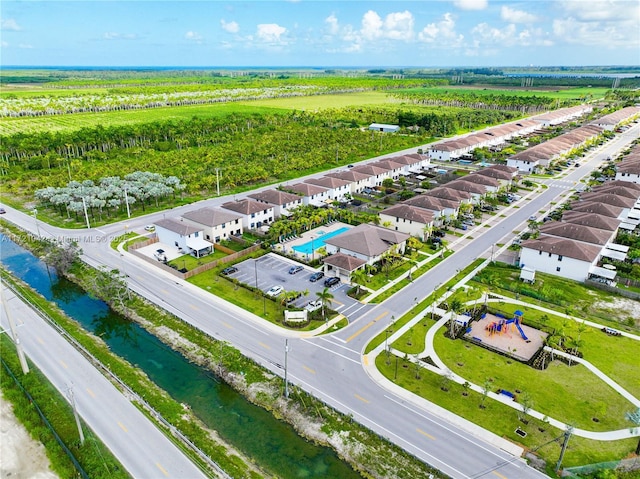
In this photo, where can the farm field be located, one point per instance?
(54, 123)
(560, 93)
(320, 102)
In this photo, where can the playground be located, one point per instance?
(508, 335)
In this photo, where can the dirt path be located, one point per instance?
(21, 457)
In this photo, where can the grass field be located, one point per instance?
(319, 102)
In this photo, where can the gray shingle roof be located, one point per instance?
(176, 226)
(275, 197)
(368, 240)
(211, 216)
(576, 232)
(564, 247)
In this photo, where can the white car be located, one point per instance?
(275, 291)
(313, 306)
(150, 228)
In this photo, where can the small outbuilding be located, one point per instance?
(528, 275)
(384, 128)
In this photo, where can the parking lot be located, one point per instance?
(273, 270)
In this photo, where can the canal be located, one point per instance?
(272, 444)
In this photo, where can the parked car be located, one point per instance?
(160, 255)
(316, 276)
(295, 269)
(229, 270)
(313, 305)
(275, 291)
(2, 211)
(292, 298)
(150, 228)
(532, 218)
(331, 281)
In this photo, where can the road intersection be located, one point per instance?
(333, 367)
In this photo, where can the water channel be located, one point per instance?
(272, 444)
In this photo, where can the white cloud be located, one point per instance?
(119, 36)
(442, 32)
(271, 33)
(332, 22)
(193, 36)
(9, 24)
(25, 45)
(471, 4)
(231, 27)
(485, 36)
(512, 15)
(395, 26)
(3, 44)
(607, 24)
(601, 10)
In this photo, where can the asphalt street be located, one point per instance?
(331, 366)
(143, 450)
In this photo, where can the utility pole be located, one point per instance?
(75, 413)
(218, 181)
(286, 380)
(86, 215)
(126, 200)
(14, 332)
(567, 435)
(35, 217)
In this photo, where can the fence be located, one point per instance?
(613, 289)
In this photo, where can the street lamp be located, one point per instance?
(312, 249)
(264, 301)
(34, 212)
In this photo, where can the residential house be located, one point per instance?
(342, 265)
(182, 235)
(313, 195)
(357, 181)
(337, 188)
(217, 224)
(283, 203)
(408, 219)
(367, 242)
(255, 214)
(443, 210)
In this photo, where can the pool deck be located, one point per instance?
(287, 246)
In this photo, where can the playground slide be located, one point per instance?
(521, 332)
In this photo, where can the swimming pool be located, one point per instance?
(318, 242)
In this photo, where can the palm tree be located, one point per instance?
(455, 307)
(325, 297)
(359, 276)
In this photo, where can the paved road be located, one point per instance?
(331, 366)
(142, 449)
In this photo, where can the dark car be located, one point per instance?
(229, 270)
(2, 211)
(295, 269)
(316, 276)
(331, 281)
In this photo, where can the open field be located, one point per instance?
(321, 102)
(53, 123)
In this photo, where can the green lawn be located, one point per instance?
(571, 394)
(321, 102)
(188, 262)
(500, 419)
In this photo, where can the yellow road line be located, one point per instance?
(122, 426)
(309, 369)
(193, 306)
(362, 399)
(227, 325)
(91, 393)
(337, 302)
(40, 340)
(365, 360)
(165, 291)
(266, 346)
(162, 469)
(499, 475)
(365, 327)
(63, 364)
(425, 434)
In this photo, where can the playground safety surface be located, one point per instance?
(509, 339)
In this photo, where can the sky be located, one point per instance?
(320, 33)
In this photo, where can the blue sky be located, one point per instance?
(426, 33)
